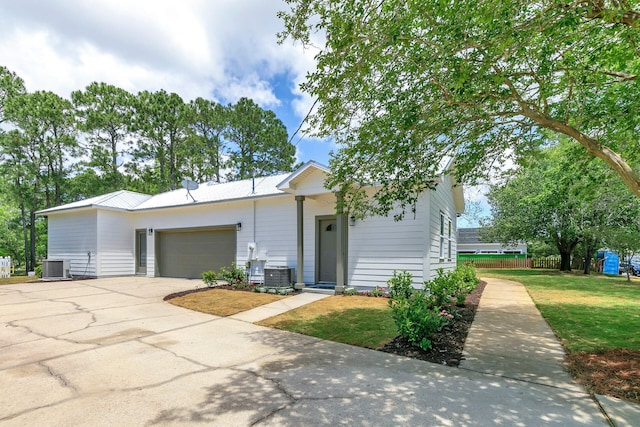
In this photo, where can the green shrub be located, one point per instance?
(209, 278)
(400, 285)
(38, 271)
(461, 299)
(416, 319)
(441, 288)
(467, 274)
(234, 275)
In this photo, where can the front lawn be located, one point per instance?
(13, 280)
(598, 320)
(588, 313)
(223, 302)
(356, 320)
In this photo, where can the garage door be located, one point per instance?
(189, 253)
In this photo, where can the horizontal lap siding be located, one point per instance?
(276, 232)
(116, 244)
(380, 245)
(442, 201)
(72, 236)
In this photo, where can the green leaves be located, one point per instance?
(403, 84)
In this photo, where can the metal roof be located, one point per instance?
(122, 199)
(215, 192)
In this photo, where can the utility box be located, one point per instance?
(278, 277)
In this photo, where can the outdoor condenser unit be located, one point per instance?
(56, 268)
(278, 276)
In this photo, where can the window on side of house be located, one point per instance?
(442, 240)
(449, 242)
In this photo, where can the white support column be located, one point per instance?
(341, 256)
(300, 228)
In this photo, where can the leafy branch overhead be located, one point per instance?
(403, 84)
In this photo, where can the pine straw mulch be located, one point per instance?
(612, 372)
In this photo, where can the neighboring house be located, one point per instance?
(286, 220)
(470, 242)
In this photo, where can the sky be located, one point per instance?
(217, 49)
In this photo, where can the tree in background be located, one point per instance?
(161, 120)
(10, 86)
(257, 142)
(35, 157)
(208, 123)
(104, 113)
(404, 84)
(561, 197)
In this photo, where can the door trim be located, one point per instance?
(139, 269)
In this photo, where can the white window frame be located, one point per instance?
(442, 239)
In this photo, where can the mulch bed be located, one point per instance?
(613, 372)
(205, 289)
(447, 344)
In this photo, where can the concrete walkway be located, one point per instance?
(509, 338)
(111, 352)
(278, 307)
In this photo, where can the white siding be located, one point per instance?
(73, 237)
(380, 245)
(116, 244)
(441, 201)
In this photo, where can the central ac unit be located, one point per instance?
(56, 268)
(278, 276)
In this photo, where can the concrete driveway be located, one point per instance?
(111, 352)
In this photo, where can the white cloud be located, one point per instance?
(220, 49)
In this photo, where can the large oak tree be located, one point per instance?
(404, 84)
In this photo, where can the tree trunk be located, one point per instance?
(32, 243)
(25, 237)
(565, 260)
(587, 263)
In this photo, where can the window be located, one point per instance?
(449, 241)
(441, 236)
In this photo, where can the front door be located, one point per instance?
(141, 251)
(327, 250)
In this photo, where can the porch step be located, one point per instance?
(319, 291)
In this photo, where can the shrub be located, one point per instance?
(467, 274)
(441, 288)
(233, 275)
(416, 319)
(400, 285)
(38, 271)
(209, 278)
(461, 299)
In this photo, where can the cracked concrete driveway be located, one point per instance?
(111, 352)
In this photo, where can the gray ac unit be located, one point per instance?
(56, 268)
(275, 277)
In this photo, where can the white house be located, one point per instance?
(470, 242)
(286, 220)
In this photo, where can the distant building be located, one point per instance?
(470, 242)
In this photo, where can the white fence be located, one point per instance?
(5, 267)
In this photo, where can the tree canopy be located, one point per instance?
(562, 197)
(403, 84)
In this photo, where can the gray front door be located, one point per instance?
(141, 251)
(327, 250)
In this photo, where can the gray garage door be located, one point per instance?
(189, 253)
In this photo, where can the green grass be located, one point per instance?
(588, 313)
(361, 321)
(17, 279)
